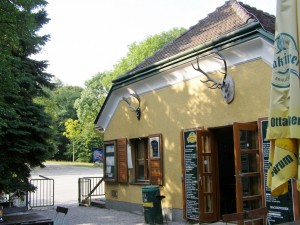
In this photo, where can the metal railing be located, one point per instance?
(43, 196)
(89, 187)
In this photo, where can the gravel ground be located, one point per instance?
(80, 215)
(66, 191)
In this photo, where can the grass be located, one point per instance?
(79, 164)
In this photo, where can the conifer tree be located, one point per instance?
(25, 132)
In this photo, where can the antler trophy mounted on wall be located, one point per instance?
(135, 109)
(227, 84)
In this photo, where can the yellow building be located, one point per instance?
(201, 142)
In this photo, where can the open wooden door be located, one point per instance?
(207, 177)
(248, 169)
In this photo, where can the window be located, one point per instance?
(140, 148)
(147, 157)
(110, 161)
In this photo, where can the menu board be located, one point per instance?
(280, 208)
(190, 175)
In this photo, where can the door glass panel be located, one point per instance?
(247, 156)
(250, 185)
(208, 204)
(248, 139)
(207, 184)
(206, 148)
(251, 204)
(249, 163)
(206, 164)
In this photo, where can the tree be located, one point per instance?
(25, 131)
(73, 130)
(59, 104)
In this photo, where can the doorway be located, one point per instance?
(226, 168)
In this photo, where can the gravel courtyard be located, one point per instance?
(66, 194)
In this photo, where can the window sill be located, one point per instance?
(140, 182)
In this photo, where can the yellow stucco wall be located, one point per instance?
(187, 105)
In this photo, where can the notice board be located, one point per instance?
(190, 174)
(280, 208)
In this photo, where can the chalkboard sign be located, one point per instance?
(280, 208)
(190, 175)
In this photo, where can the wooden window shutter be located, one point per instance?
(122, 160)
(155, 159)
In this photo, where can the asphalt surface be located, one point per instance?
(66, 194)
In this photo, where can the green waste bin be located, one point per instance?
(152, 205)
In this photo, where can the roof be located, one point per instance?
(232, 16)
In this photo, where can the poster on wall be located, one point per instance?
(280, 208)
(154, 147)
(97, 155)
(190, 174)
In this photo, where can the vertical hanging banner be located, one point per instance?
(191, 174)
(284, 115)
(281, 207)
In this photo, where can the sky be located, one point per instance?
(91, 36)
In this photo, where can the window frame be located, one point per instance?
(145, 161)
(105, 162)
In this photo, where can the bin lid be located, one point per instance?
(150, 188)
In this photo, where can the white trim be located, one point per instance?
(238, 54)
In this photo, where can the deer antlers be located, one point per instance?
(137, 109)
(227, 85)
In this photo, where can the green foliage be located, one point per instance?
(84, 143)
(73, 129)
(92, 97)
(25, 132)
(59, 103)
(139, 52)
(87, 106)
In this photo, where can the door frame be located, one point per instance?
(207, 183)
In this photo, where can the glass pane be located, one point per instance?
(141, 152)
(207, 184)
(248, 139)
(206, 148)
(249, 163)
(208, 204)
(110, 161)
(206, 164)
(250, 185)
(251, 204)
(140, 169)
